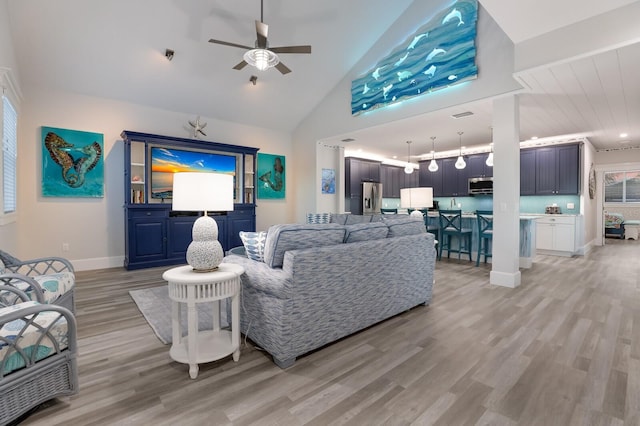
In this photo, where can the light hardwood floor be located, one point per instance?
(562, 349)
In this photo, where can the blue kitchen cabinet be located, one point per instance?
(431, 179)
(557, 170)
(528, 172)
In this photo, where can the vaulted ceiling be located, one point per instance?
(116, 49)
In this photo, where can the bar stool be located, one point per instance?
(485, 234)
(451, 226)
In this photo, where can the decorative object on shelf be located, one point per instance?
(271, 176)
(489, 161)
(460, 164)
(416, 198)
(197, 127)
(408, 169)
(261, 55)
(194, 191)
(72, 164)
(592, 182)
(433, 165)
(439, 54)
(328, 181)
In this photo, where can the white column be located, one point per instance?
(506, 192)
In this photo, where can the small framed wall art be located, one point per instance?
(72, 163)
(328, 181)
(271, 176)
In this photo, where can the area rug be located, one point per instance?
(155, 306)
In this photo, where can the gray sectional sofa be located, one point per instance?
(321, 282)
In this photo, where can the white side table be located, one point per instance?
(186, 286)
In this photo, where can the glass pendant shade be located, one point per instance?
(433, 165)
(262, 59)
(489, 161)
(408, 169)
(460, 163)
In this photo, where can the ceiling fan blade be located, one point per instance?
(291, 49)
(240, 65)
(262, 31)
(226, 43)
(283, 68)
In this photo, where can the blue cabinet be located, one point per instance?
(454, 181)
(477, 166)
(557, 170)
(157, 236)
(431, 179)
(528, 172)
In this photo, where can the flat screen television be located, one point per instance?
(167, 161)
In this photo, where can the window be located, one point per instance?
(9, 155)
(622, 187)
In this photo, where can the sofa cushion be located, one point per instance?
(254, 244)
(54, 285)
(282, 238)
(318, 217)
(358, 218)
(404, 226)
(365, 232)
(339, 218)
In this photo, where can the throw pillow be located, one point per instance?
(318, 217)
(404, 226)
(254, 244)
(365, 232)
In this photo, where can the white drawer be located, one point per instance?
(558, 219)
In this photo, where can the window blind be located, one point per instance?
(9, 155)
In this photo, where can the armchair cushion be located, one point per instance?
(26, 334)
(53, 285)
(254, 244)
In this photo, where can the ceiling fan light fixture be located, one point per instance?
(262, 59)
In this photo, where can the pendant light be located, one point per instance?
(460, 164)
(433, 166)
(489, 161)
(408, 169)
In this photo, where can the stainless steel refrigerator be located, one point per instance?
(371, 197)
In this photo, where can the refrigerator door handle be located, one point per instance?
(374, 190)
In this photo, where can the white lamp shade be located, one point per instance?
(460, 163)
(199, 191)
(416, 198)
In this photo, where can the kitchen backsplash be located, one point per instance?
(528, 204)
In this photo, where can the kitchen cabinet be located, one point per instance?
(356, 171)
(528, 172)
(154, 234)
(557, 170)
(410, 180)
(556, 235)
(477, 166)
(391, 176)
(431, 179)
(454, 181)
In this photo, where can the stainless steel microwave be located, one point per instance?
(480, 185)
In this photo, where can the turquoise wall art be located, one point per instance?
(72, 163)
(271, 176)
(440, 54)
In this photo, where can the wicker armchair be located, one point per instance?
(48, 280)
(38, 350)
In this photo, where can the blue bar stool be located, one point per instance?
(485, 234)
(451, 226)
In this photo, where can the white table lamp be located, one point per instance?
(196, 191)
(416, 198)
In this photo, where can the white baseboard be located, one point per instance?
(505, 279)
(97, 263)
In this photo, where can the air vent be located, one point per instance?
(347, 140)
(462, 114)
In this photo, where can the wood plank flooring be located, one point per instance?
(562, 349)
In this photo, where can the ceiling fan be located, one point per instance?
(262, 56)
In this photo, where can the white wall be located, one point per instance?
(333, 115)
(618, 157)
(94, 227)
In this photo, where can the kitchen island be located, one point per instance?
(527, 235)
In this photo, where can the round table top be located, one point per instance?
(186, 275)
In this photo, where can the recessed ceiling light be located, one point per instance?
(348, 140)
(623, 135)
(533, 138)
(395, 156)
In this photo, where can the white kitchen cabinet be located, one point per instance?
(556, 234)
